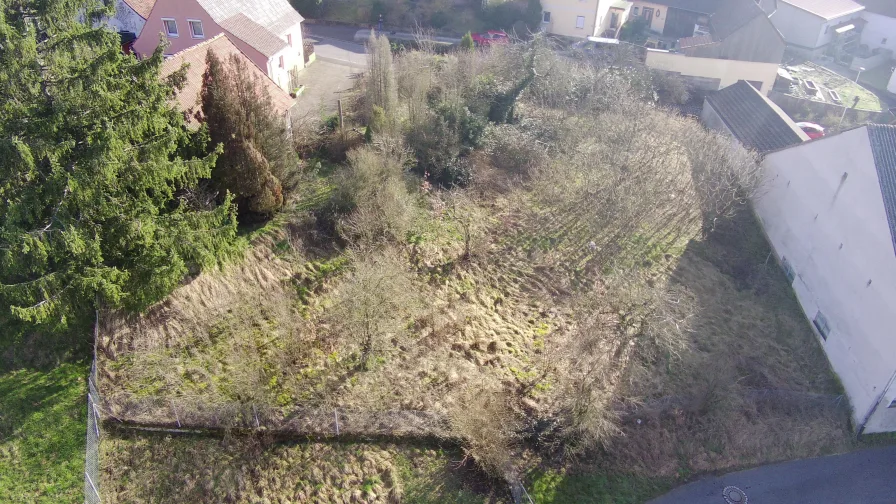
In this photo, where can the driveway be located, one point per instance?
(860, 477)
(325, 82)
(336, 45)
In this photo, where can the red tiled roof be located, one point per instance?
(188, 97)
(695, 41)
(141, 7)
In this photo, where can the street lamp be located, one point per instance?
(861, 69)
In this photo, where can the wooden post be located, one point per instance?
(341, 120)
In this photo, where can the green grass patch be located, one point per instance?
(42, 430)
(553, 487)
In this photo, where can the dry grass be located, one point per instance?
(142, 468)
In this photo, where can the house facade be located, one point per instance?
(584, 18)
(810, 26)
(828, 208)
(188, 98)
(737, 42)
(268, 32)
(880, 24)
(673, 18)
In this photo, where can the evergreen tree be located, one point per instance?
(466, 42)
(257, 157)
(89, 176)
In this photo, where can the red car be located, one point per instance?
(491, 37)
(812, 130)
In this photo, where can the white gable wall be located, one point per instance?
(126, 19)
(879, 32)
(807, 219)
(799, 28)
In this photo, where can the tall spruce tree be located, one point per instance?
(258, 164)
(89, 176)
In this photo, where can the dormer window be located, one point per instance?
(170, 27)
(196, 28)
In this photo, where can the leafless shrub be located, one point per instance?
(514, 150)
(373, 306)
(725, 175)
(374, 190)
(484, 419)
(380, 86)
(469, 218)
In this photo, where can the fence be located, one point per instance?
(92, 455)
(799, 107)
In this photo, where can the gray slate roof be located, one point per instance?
(253, 34)
(882, 7)
(883, 146)
(753, 119)
(274, 15)
(732, 15)
(827, 9)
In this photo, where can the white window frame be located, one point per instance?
(201, 28)
(176, 29)
(582, 27)
(636, 11)
(546, 16)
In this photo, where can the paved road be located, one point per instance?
(335, 44)
(861, 477)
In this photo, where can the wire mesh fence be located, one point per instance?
(92, 455)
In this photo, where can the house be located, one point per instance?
(584, 18)
(673, 18)
(737, 42)
(750, 119)
(268, 32)
(828, 208)
(130, 15)
(880, 24)
(188, 98)
(811, 26)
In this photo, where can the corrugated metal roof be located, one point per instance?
(274, 15)
(753, 119)
(141, 7)
(828, 9)
(253, 34)
(883, 147)
(188, 98)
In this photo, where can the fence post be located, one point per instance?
(176, 416)
(336, 416)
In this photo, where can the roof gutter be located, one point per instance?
(773, 10)
(873, 408)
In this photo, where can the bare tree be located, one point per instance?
(381, 89)
(374, 304)
(468, 216)
(483, 418)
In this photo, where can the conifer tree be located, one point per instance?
(90, 181)
(257, 157)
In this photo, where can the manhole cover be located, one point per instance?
(734, 495)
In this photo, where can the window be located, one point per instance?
(892, 404)
(821, 323)
(883, 42)
(289, 39)
(614, 20)
(659, 13)
(170, 27)
(634, 11)
(282, 64)
(788, 269)
(545, 17)
(580, 22)
(196, 28)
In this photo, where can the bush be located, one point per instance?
(513, 150)
(466, 42)
(373, 195)
(450, 131)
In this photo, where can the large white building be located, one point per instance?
(828, 208)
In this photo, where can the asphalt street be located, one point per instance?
(861, 477)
